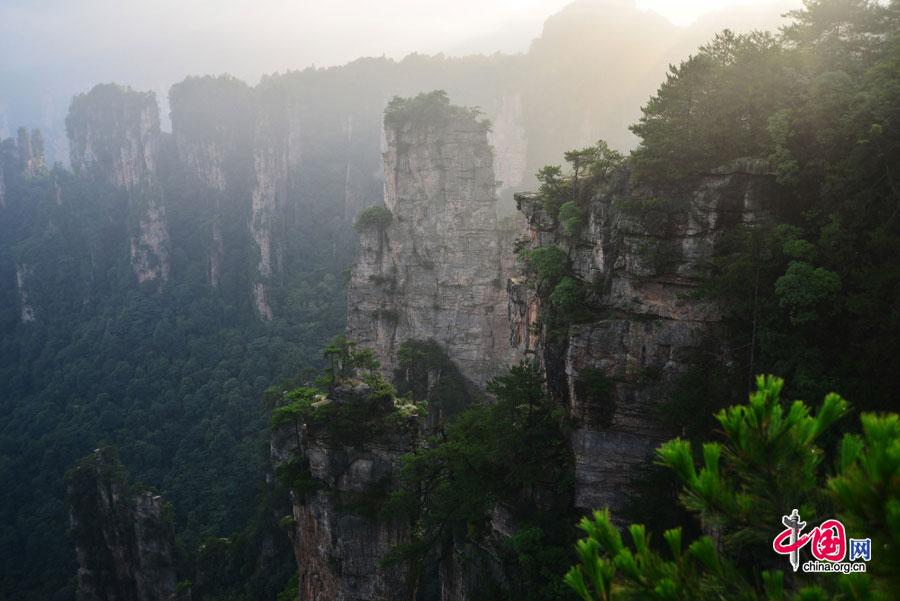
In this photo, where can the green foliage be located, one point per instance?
(773, 463)
(867, 490)
(351, 404)
(590, 168)
(548, 264)
(538, 555)
(552, 189)
(570, 218)
(426, 109)
(819, 102)
(291, 590)
(170, 375)
(511, 453)
(770, 461)
(805, 291)
(377, 217)
(713, 107)
(568, 295)
(299, 405)
(346, 360)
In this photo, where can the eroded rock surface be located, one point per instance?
(438, 271)
(114, 137)
(26, 310)
(642, 267)
(340, 540)
(123, 541)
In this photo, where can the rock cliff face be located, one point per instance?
(26, 311)
(123, 542)
(438, 270)
(30, 148)
(21, 157)
(643, 254)
(315, 157)
(114, 137)
(275, 152)
(215, 148)
(509, 142)
(340, 541)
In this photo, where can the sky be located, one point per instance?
(172, 38)
(53, 49)
(685, 12)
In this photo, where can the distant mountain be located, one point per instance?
(627, 49)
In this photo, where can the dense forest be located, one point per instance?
(172, 378)
(175, 376)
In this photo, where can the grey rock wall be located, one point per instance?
(642, 282)
(340, 542)
(124, 544)
(439, 270)
(114, 137)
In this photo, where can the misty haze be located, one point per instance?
(505, 300)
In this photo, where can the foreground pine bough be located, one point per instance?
(772, 460)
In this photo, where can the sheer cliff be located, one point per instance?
(123, 539)
(114, 138)
(616, 328)
(340, 458)
(642, 256)
(435, 268)
(435, 265)
(212, 129)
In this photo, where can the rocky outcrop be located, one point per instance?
(510, 144)
(150, 240)
(339, 483)
(26, 311)
(272, 155)
(123, 541)
(438, 270)
(215, 147)
(21, 157)
(114, 138)
(30, 147)
(642, 255)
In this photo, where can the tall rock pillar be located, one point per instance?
(114, 137)
(124, 543)
(437, 268)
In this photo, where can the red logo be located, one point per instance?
(828, 541)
